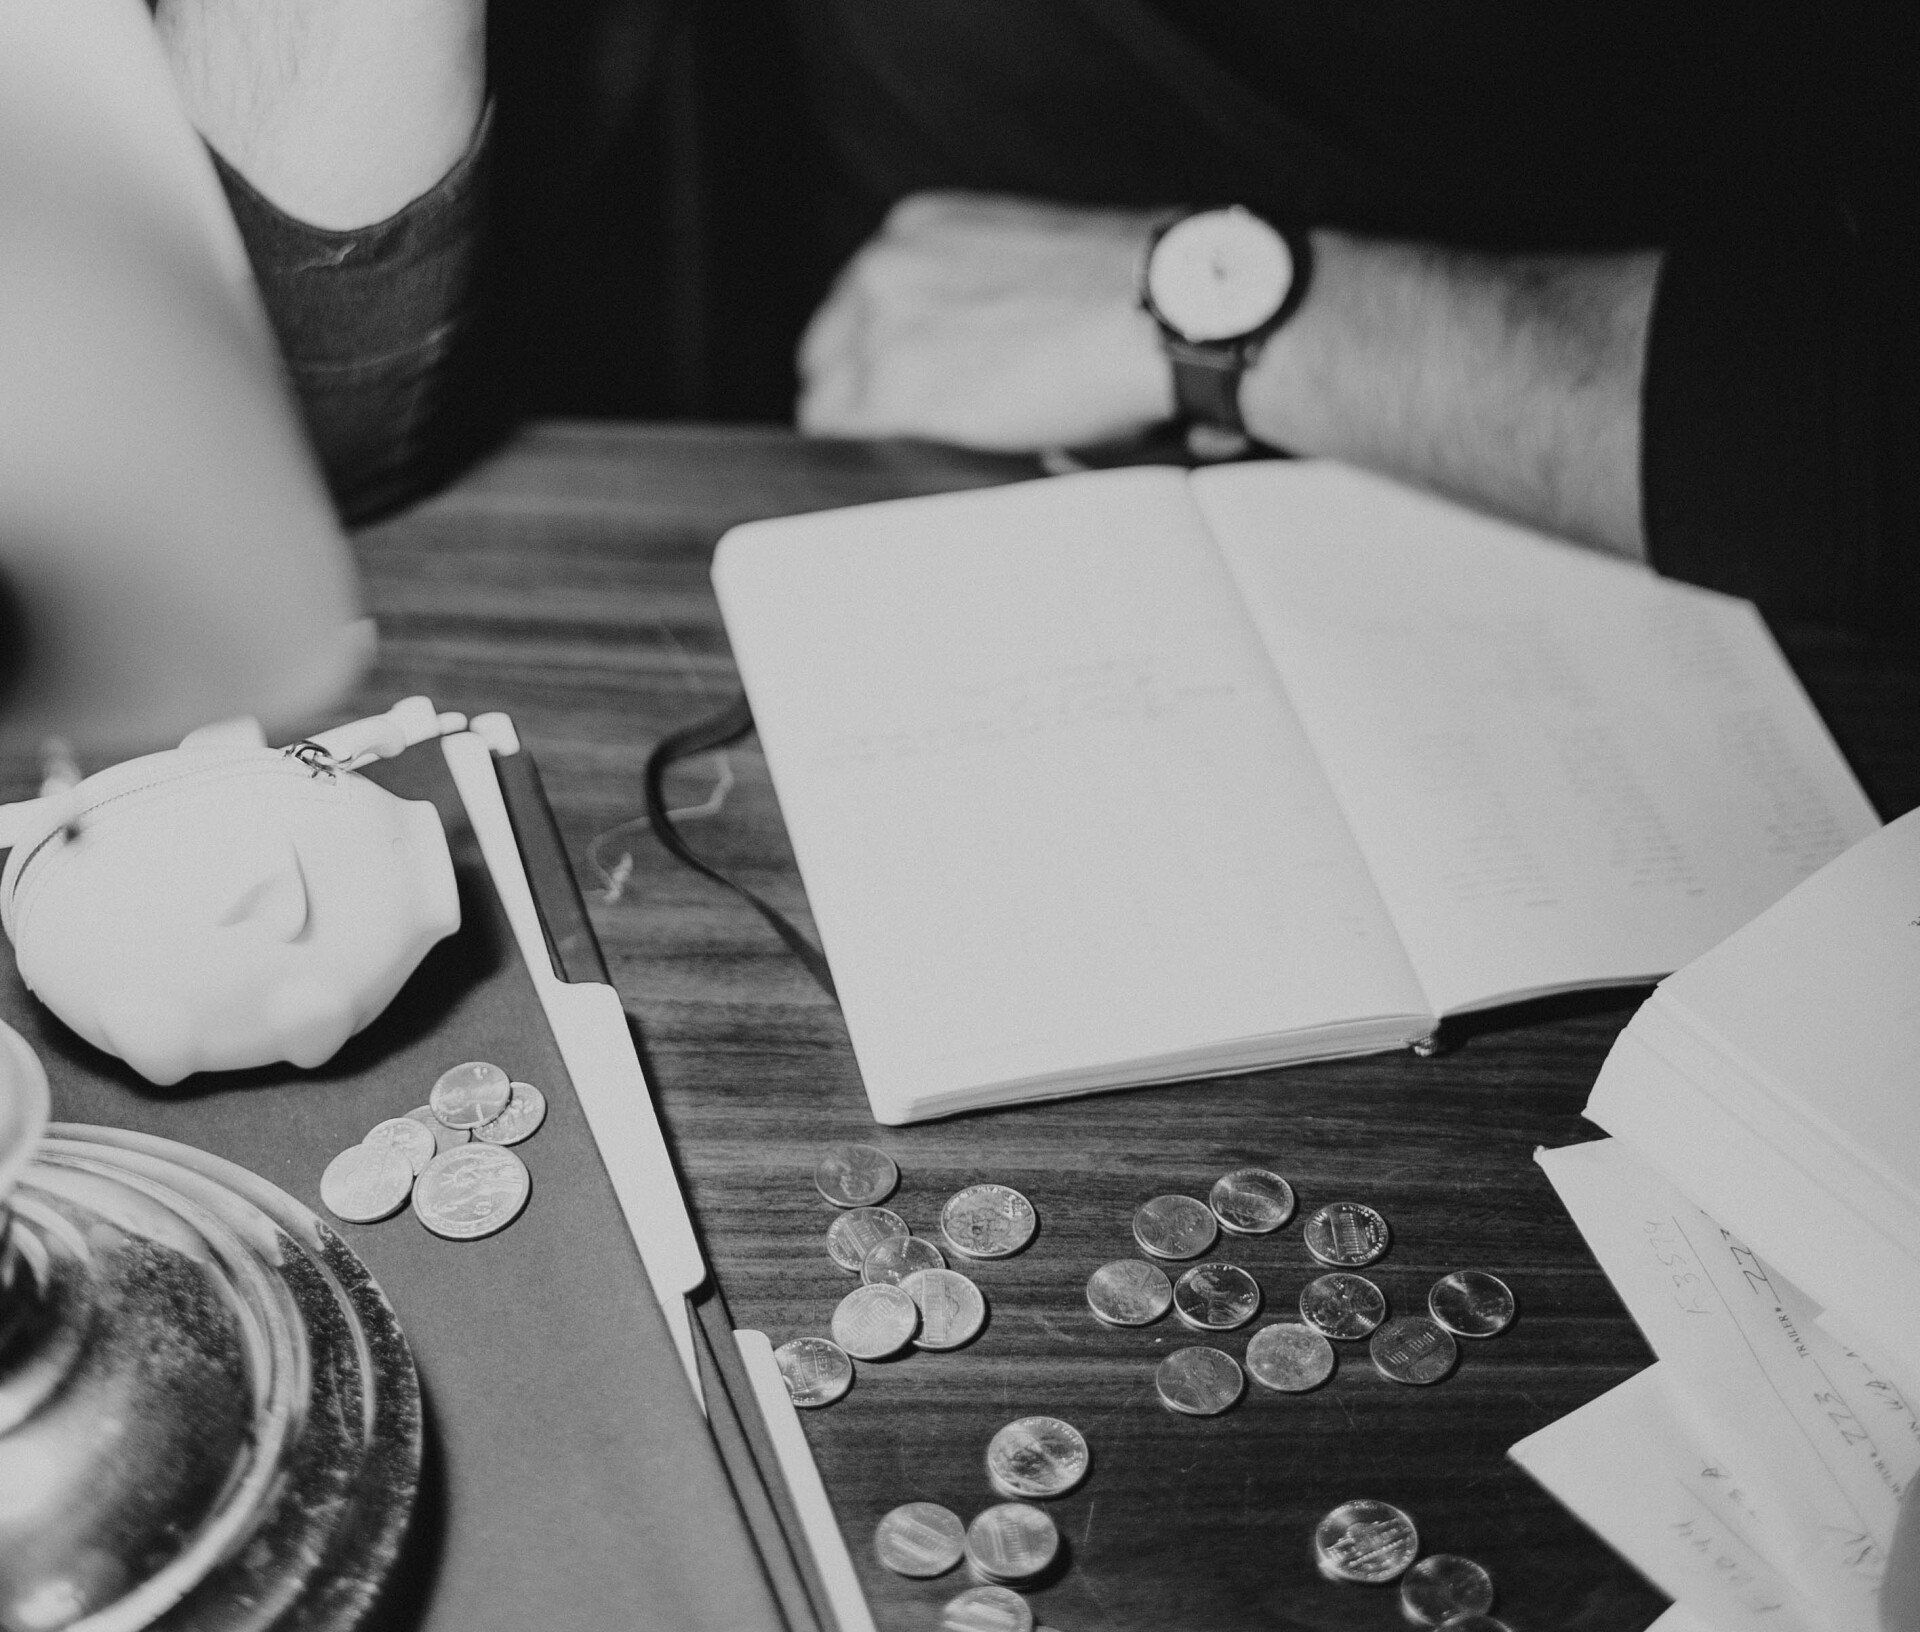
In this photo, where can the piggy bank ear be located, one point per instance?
(260, 886)
(152, 1035)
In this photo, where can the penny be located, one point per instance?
(1127, 1292)
(952, 1309)
(520, 1121)
(891, 1261)
(1365, 1541)
(444, 1137)
(471, 1191)
(1013, 1541)
(815, 1371)
(986, 1609)
(1289, 1358)
(855, 1175)
(1344, 1306)
(1345, 1234)
(1443, 1585)
(856, 1232)
(470, 1094)
(1471, 1303)
(920, 1539)
(1198, 1382)
(873, 1322)
(1174, 1227)
(408, 1137)
(1216, 1297)
(1413, 1349)
(366, 1182)
(988, 1221)
(1036, 1457)
(1251, 1201)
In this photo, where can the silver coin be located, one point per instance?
(408, 1137)
(952, 1309)
(471, 1191)
(1251, 1201)
(1036, 1457)
(444, 1137)
(1343, 1305)
(520, 1121)
(986, 1609)
(1365, 1541)
(1443, 1585)
(1198, 1382)
(1174, 1227)
(815, 1371)
(1127, 1292)
(873, 1322)
(1471, 1303)
(988, 1221)
(366, 1182)
(920, 1539)
(855, 1175)
(470, 1094)
(891, 1261)
(1413, 1349)
(1216, 1297)
(1013, 1541)
(1345, 1234)
(856, 1232)
(1289, 1357)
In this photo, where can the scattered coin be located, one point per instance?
(1251, 1201)
(891, 1261)
(855, 1175)
(920, 1539)
(1365, 1541)
(1343, 1305)
(856, 1232)
(816, 1372)
(444, 1137)
(408, 1137)
(1036, 1457)
(470, 1094)
(1216, 1297)
(471, 1191)
(1127, 1292)
(520, 1121)
(1442, 1586)
(1345, 1234)
(988, 1221)
(1013, 1541)
(873, 1322)
(986, 1609)
(1289, 1357)
(366, 1182)
(1413, 1349)
(952, 1309)
(1471, 1303)
(1198, 1382)
(1174, 1227)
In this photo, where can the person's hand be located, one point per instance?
(990, 322)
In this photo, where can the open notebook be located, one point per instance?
(1142, 775)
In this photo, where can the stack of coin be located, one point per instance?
(1013, 1541)
(1442, 1587)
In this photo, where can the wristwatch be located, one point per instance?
(1219, 282)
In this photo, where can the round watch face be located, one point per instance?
(1219, 275)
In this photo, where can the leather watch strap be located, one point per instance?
(1206, 382)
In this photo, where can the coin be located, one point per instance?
(873, 1322)
(520, 1121)
(1342, 1305)
(1251, 1201)
(815, 1371)
(856, 1232)
(408, 1137)
(891, 1261)
(1174, 1227)
(1413, 1349)
(1127, 1292)
(366, 1182)
(1216, 1297)
(952, 1309)
(986, 1609)
(988, 1221)
(1198, 1382)
(1036, 1457)
(1345, 1234)
(470, 1094)
(1013, 1541)
(920, 1539)
(444, 1137)
(471, 1191)
(1365, 1541)
(1471, 1303)
(855, 1175)
(1289, 1357)
(1443, 1585)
